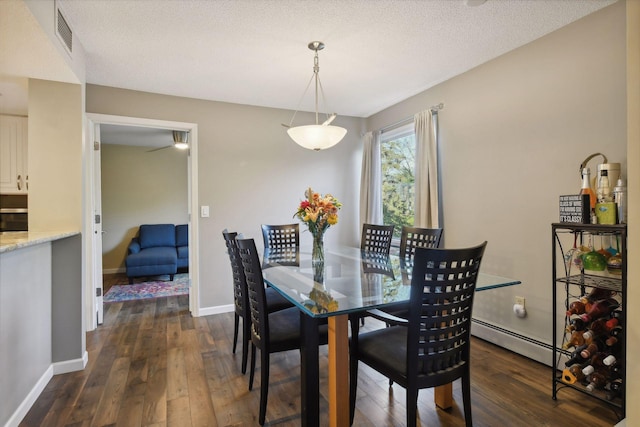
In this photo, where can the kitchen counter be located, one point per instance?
(12, 240)
(42, 330)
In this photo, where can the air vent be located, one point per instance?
(64, 31)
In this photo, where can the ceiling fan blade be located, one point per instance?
(158, 149)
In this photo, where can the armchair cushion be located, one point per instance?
(156, 235)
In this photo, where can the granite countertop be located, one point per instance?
(13, 240)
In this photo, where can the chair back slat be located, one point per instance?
(376, 238)
(255, 290)
(442, 288)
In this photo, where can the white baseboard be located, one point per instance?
(30, 399)
(208, 311)
(533, 349)
(54, 369)
(71, 365)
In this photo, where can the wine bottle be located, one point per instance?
(614, 389)
(614, 336)
(589, 351)
(575, 357)
(610, 360)
(576, 324)
(611, 323)
(576, 307)
(597, 294)
(599, 309)
(576, 339)
(572, 374)
(586, 187)
(597, 380)
(595, 330)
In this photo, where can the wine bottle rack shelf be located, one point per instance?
(594, 281)
(568, 287)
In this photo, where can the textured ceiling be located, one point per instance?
(255, 52)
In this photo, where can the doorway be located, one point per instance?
(93, 208)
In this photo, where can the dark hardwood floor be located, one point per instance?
(152, 364)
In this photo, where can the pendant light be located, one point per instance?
(318, 136)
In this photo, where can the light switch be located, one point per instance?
(204, 211)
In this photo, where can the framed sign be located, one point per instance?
(575, 208)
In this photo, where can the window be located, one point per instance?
(398, 153)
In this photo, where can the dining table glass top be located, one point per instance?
(350, 280)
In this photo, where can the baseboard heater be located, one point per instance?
(526, 346)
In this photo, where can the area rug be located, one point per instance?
(151, 289)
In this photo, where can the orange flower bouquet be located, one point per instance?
(319, 213)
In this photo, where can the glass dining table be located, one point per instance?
(350, 281)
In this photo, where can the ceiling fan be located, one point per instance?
(180, 141)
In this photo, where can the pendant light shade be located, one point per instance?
(317, 136)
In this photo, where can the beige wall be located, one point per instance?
(139, 187)
(513, 133)
(633, 152)
(250, 172)
(55, 156)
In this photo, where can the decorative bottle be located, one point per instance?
(603, 194)
(586, 188)
(620, 197)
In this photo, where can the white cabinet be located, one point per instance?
(13, 155)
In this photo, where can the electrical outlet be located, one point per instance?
(520, 301)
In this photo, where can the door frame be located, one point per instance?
(91, 249)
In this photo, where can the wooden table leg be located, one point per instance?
(338, 371)
(443, 396)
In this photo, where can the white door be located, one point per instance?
(97, 224)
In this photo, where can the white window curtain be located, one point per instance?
(427, 211)
(371, 181)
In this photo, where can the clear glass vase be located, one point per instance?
(317, 257)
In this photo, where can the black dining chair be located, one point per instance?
(417, 237)
(376, 238)
(270, 332)
(275, 301)
(410, 239)
(431, 347)
(281, 237)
